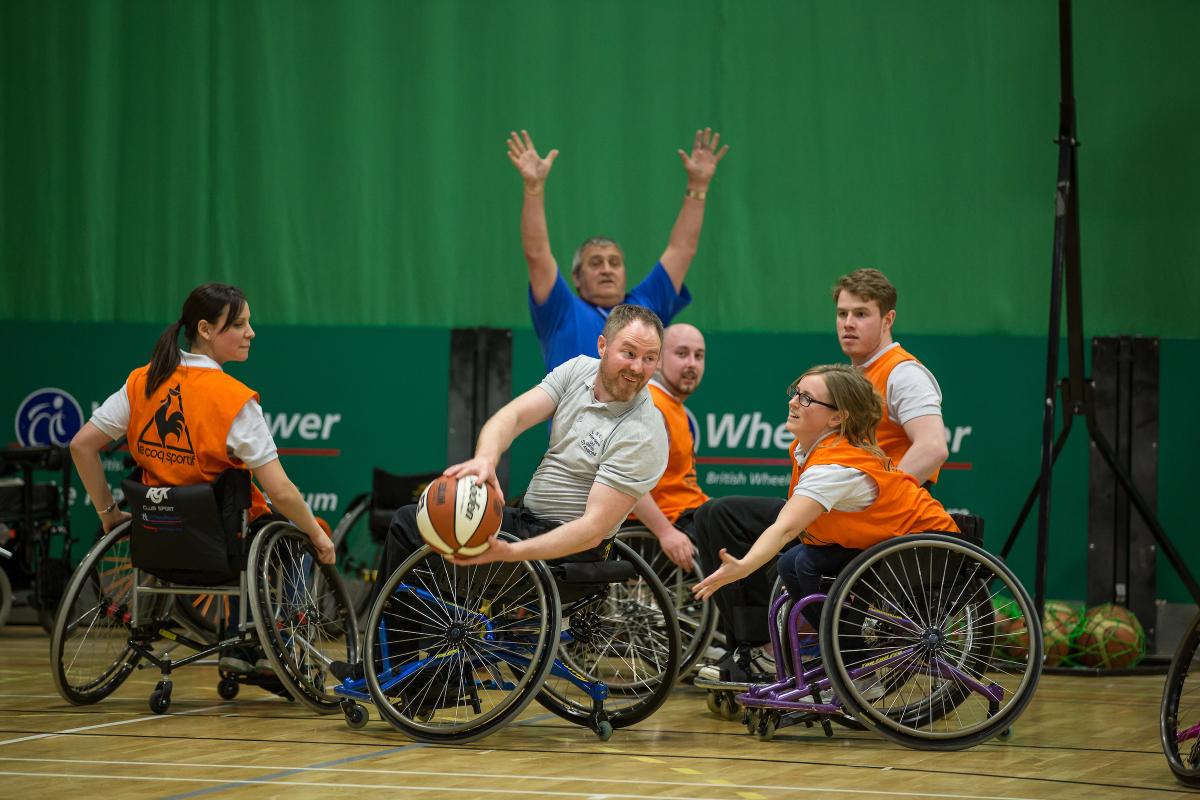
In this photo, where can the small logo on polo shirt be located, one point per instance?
(592, 443)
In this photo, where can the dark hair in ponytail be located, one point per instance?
(207, 302)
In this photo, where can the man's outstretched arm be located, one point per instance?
(605, 509)
(498, 433)
(701, 165)
(535, 237)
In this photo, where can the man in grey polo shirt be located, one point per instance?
(608, 447)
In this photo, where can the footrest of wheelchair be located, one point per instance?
(356, 690)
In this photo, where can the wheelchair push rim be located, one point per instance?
(628, 639)
(89, 649)
(301, 613)
(453, 653)
(909, 633)
(697, 618)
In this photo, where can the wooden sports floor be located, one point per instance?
(1086, 738)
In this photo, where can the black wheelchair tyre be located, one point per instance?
(359, 554)
(303, 623)
(632, 645)
(89, 651)
(6, 597)
(470, 620)
(697, 618)
(1181, 704)
(945, 587)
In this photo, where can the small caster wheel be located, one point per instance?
(604, 730)
(713, 701)
(160, 698)
(730, 708)
(228, 688)
(750, 720)
(356, 716)
(1006, 733)
(765, 731)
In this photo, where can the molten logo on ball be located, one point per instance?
(457, 517)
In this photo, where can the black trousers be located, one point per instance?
(735, 523)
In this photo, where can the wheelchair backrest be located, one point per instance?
(390, 493)
(971, 527)
(190, 534)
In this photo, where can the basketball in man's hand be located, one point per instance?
(457, 517)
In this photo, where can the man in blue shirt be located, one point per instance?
(568, 325)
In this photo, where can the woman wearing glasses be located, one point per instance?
(849, 495)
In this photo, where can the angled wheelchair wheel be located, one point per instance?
(89, 648)
(358, 554)
(1179, 716)
(908, 636)
(454, 653)
(6, 597)
(301, 613)
(697, 618)
(624, 635)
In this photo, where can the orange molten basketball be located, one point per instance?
(457, 517)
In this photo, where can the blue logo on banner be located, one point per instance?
(48, 416)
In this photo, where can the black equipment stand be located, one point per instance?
(1077, 393)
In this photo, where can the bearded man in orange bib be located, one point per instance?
(668, 511)
(187, 421)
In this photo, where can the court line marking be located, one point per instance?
(108, 725)
(285, 771)
(478, 790)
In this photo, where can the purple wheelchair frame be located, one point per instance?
(786, 693)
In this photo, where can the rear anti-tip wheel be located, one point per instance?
(228, 688)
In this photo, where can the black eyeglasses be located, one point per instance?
(805, 399)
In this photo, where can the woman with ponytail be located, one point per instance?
(849, 495)
(187, 421)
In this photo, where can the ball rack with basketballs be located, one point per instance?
(1105, 639)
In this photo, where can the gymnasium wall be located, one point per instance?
(345, 164)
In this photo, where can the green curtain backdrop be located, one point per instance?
(344, 162)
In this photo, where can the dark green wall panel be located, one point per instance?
(344, 162)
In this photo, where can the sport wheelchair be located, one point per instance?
(1179, 715)
(117, 611)
(32, 517)
(455, 653)
(911, 644)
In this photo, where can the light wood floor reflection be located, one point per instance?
(1085, 738)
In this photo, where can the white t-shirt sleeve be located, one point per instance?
(563, 377)
(837, 488)
(913, 392)
(249, 437)
(112, 417)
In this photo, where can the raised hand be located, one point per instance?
(524, 156)
(701, 164)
